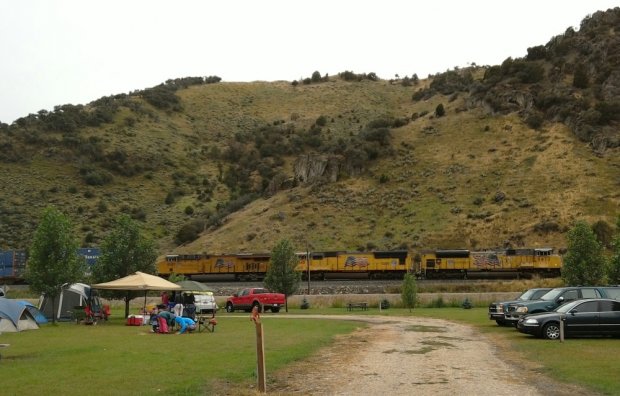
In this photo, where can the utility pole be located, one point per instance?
(308, 264)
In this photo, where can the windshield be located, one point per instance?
(568, 306)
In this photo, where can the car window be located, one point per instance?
(612, 292)
(610, 306)
(571, 295)
(588, 306)
(551, 295)
(590, 293)
(538, 294)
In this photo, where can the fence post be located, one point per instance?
(562, 319)
(260, 351)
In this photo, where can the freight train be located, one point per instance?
(375, 265)
(429, 264)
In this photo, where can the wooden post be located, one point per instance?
(562, 319)
(260, 352)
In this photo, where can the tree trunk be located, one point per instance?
(127, 299)
(53, 310)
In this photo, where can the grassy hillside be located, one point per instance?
(520, 152)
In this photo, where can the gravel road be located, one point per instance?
(406, 356)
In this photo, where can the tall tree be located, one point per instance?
(53, 260)
(584, 262)
(123, 252)
(409, 291)
(614, 262)
(281, 276)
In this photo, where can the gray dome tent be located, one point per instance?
(77, 294)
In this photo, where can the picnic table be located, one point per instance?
(361, 305)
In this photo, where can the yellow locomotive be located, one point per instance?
(463, 263)
(377, 264)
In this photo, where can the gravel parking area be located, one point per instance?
(406, 356)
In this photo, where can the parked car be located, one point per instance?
(496, 309)
(598, 317)
(205, 302)
(553, 299)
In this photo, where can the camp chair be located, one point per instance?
(206, 323)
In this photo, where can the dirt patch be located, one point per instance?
(414, 356)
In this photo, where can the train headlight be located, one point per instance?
(522, 310)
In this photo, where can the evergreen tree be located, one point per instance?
(584, 262)
(281, 276)
(53, 260)
(123, 252)
(409, 291)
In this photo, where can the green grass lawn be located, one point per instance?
(111, 358)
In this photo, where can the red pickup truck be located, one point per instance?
(246, 299)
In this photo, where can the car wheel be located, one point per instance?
(229, 307)
(500, 322)
(551, 331)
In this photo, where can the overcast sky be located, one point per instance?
(75, 51)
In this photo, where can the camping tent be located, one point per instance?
(73, 295)
(15, 317)
(34, 311)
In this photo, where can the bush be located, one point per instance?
(439, 110)
(304, 304)
(189, 232)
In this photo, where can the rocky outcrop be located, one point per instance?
(312, 168)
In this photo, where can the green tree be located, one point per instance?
(53, 260)
(124, 251)
(281, 276)
(409, 291)
(584, 262)
(614, 262)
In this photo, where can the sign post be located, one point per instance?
(260, 351)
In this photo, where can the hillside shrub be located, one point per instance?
(95, 177)
(189, 232)
(439, 110)
(321, 121)
(534, 120)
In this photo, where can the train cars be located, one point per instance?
(12, 266)
(508, 262)
(253, 266)
(460, 263)
(13, 263)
